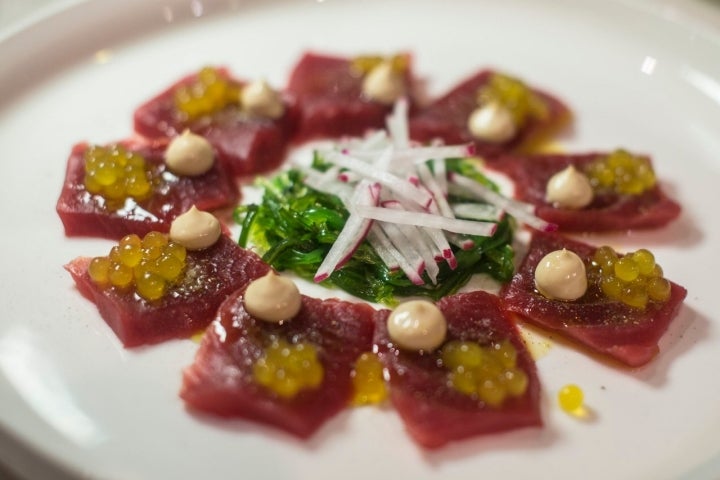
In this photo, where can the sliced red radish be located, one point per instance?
(352, 234)
(522, 211)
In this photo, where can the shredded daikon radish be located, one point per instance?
(397, 124)
(385, 250)
(400, 186)
(522, 211)
(477, 211)
(468, 227)
(415, 225)
(352, 234)
(428, 179)
(411, 257)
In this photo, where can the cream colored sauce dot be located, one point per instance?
(560, 275)
(272, 298)
(417, 325)
(383, 84)
(189, 155)
(195, 229)
(569, 188)
(260, 100)
(492, 123)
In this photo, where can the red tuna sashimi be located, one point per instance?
(86, 214)
(246, 144)
(221, 382)
(188, 307)
(446, 119)
(435, 413)
(608, 211)
(330, 98)
(606, 326)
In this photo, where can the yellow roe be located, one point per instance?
(634, 279)
(570, 398)
(209, 93)
(368, 380)
(514, 95)
(151, 265)
(116, 174)
(288, 368)
(622, 173)
(489, 373)
(364, 64)
(99, 270)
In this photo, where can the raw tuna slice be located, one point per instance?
(86, 214)
(603, 325)
(435, 413)
(187, 308)
(330, 98)
(246, 144)
(221, 381)
(608, 211)
(446, 119)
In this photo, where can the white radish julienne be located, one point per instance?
(399, 204)
(478, 211)
(399, 186)
(438, 191)
(429, 220)
(417, 238)
(352, 234)
(397, 125)
(414, 261)
(521, 211)
(439, 239)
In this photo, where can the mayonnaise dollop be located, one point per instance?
(383, 84)
(272, 298)
(189, 155)
(492, 123)
(259, 99)
(569, 188)
(417, 325)
(560, 275)
(195, 229)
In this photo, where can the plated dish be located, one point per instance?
(62, 342)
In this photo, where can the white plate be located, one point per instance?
(73, 400)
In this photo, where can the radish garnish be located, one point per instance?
(352, 234)
(398, 185)
(469, 227)
(320, 182)
(440, 173)
(421, 240)
(435, 189)
(442, 247)
(383, 160)
(423, 154)
(385, 249)
(477, 211)
(403, 158)
(400, 201)
(410, 258)
(462, 242)
(397, 125)
(348, 177)
(522, 211)
(435, 236)
(375, 140)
